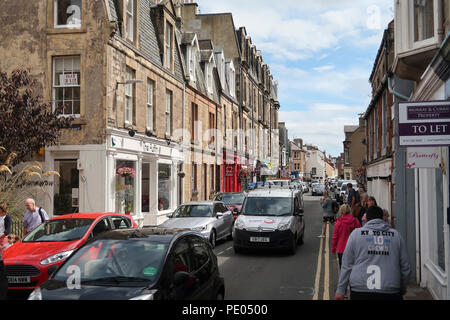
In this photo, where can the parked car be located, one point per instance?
(29, 262)
(138, 264)
(270, 219)
(318, 189)
(211, 218)
(232, 200)
(305, 187)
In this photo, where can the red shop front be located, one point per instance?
(230, 173)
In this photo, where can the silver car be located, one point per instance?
(210, 218)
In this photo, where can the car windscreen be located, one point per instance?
(236, 198)
(193, 211)
(59, 230)
(270, 206)
(108, 262)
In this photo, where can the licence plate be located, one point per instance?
(259, 239)
(19, 280)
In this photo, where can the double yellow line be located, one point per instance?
(326, 282)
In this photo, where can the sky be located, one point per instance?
(321, 52)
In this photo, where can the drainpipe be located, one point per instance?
(389, 73)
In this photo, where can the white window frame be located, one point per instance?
(168, 47)
(168, 111)
(150, 104)
(428, 41)
(129, 97)
(54, 86)
(209, 77)
(71, 26)
(129, 28)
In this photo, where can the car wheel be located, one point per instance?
(220, 296)
(292, 248)
(230, 236)
(212, 238)
(300, 240)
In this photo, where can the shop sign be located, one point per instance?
(229, 171)
(151, 148)
(423, 158)
(424, 123)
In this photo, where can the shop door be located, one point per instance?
(66, 188)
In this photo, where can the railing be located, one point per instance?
(16, 228)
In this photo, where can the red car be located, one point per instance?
(29, 262)
(232, 200)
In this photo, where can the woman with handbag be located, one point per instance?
(345, 224)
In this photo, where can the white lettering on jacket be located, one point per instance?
(374, 280)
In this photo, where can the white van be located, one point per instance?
(270, 219)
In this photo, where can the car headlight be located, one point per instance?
(56, 257)
(284, 226)
(149, 296)
(199, 229)
(238, 224)
(36, 294)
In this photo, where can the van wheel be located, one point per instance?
(292, 248)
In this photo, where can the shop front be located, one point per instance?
(231, 169)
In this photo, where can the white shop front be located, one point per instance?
(133, 175)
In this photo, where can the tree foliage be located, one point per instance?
(26, 123)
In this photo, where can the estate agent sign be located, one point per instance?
(424, 123)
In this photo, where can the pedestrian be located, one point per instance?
(328, 215)
(361, 188)
(33, 217)
(364, 207)
(12, 238)
(375, 262)
(370, 203)
(5, 226)
(353, 196)
(345, 224)
(386, 216)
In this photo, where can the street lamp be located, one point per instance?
(130, 81)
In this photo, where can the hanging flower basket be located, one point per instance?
(126, 172)
(181, 174)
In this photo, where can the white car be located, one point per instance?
(271, 219)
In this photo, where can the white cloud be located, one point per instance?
(328, 67)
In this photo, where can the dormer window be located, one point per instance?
(423, 20)
(208, 71)
(191, 62)
(130, 20)
(168, 47)
(67, 13)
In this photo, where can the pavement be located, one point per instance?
(415, 292)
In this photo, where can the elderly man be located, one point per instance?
(33, 217)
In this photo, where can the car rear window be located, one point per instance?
(233, 198)
(59, 230)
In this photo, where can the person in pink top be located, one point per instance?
(345, 224)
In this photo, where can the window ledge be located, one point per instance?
(62, 30)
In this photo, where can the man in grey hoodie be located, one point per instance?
(375, 262)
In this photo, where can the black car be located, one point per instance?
(3, 281)
(138, 264)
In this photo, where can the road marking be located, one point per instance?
(326, 282)
(223, 251)
(318, 271)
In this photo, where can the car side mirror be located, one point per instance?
(169, 215)
(180, 278)
(219, 215)
(235, 210)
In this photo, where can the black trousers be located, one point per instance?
(374, 296)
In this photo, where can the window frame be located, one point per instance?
(129, 14)
(66, 26)
(130, 88)
(168, 112)
(54, 86)
(150, 104)
(168, 45)
(425, 42)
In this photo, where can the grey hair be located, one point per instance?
(31, 201)
(364, 196)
